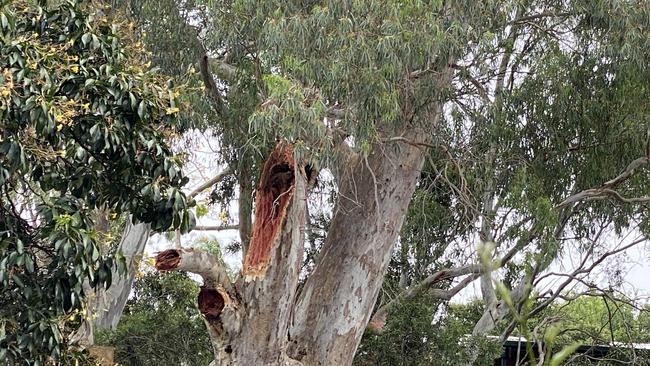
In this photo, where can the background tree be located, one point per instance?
(83, 125)
(161, 324)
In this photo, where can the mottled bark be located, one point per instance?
(268, 323)
(248, 321)
(105, 307)
(337, 300)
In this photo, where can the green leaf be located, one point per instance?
(86, 38)
(141, 109)
(567, 351)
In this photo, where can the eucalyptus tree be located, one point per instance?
(517, 118)
(501, 122)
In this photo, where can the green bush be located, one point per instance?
(161, 324)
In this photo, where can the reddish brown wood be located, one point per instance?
(168, 260)
(273, 196)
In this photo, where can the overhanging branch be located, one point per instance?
(378, 320)
(606, 191)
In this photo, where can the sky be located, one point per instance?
(633, 265)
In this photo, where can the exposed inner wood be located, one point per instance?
(211, 303)
(273, 197)
(168, 260)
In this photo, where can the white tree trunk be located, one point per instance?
(105, 307)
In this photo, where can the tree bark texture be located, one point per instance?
(105, 307)
(261, 319)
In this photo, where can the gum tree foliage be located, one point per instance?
(515, 117)
(83, 123)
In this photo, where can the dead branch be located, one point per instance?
(273, 198)
(216, 227)
(218, 178)
(378, 320)
(208, 266)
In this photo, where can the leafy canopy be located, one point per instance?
(83, 123)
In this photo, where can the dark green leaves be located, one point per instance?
(83, 126)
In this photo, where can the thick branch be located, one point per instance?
(480, 88)
(212, 269)
(273, 198)
(209, 82)
(224, 69)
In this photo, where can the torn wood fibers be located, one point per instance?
(273, 196)
(266, 320)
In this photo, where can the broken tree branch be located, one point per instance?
(218, 300)
(208, 266)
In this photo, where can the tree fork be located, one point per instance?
(248, 321)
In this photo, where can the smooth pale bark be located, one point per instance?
(105, 307)
(336, 302)
(110, 303)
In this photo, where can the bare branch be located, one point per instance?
(465, 73)
(606, 190)
(216, 227)
(628, 172)
(218, 178)
(379, 318)
(448, 294)
(210, 85)
(586, 270)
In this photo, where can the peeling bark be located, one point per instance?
(269, 299)
(248, 321)
(218, 299)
